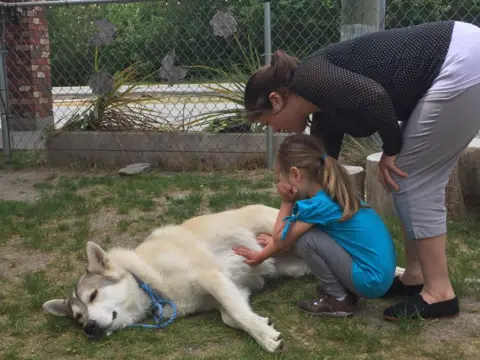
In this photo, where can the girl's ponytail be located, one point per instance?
(334, 179)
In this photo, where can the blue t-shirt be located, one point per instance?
(364, 236)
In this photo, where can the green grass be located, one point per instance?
(114, 210)
(23, 159)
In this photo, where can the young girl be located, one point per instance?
(344, 242)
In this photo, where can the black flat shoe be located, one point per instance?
(400, 289)
(415, 307)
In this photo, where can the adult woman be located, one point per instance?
(427, 76)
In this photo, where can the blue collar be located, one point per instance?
(157, 308)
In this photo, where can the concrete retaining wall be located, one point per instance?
(169, 151)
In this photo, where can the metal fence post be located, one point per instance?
(7, 153)
(268, 58)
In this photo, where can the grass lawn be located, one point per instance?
(46, 217)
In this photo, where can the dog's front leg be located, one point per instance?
(236, 311)
(230, 322)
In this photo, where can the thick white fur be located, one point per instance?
(191, 264)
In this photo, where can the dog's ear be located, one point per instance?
(96, 258)
(56, 307)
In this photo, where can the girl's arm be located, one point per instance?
(296, 230)
(285, 210)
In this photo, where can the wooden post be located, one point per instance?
(454, 202)
(382, 201)
(357, 176)
(361, 17)
(469, 170)
(376, 196)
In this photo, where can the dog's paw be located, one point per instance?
(272, 345)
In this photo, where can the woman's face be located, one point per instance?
(289, 113)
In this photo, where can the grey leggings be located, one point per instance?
(440, 128)
(328, 261)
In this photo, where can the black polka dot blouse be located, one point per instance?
(370, 83)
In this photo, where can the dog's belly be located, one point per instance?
(243, 275)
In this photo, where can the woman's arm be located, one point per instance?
(332, 137)
(330, 86)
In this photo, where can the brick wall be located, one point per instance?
(28, 69)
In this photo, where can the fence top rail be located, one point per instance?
(69, 2)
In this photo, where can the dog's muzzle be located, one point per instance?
(92, 329)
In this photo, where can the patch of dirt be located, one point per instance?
(105, 227)
(178, 194)
(16, 261)
(19, 186)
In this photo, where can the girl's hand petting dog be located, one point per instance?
(252, 257)
(288, 192)
(263, 240)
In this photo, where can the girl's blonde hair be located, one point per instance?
(307, 152)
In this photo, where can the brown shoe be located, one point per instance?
(328, 305)
(353, 297)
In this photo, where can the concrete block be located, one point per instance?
(136, 168)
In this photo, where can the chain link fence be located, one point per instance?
(162, 81)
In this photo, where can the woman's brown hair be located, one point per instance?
(277, 77)
(307, 152)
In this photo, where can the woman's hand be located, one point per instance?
(288, 192)
(385, 165)
(252, 257)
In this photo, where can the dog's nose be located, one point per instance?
(91, 328)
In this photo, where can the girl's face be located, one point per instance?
(296, 178)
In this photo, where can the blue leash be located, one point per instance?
(157, 308)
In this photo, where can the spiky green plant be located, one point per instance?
(218, 119)
(355, 151)
(118, 109)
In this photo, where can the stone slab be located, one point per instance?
(136, 168)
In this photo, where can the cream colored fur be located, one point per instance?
(191, 264)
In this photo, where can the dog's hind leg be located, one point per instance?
(289, 264)
(238, 312)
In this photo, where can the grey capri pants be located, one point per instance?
(439, 129)
(328, 261)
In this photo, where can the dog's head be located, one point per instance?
(101, 301)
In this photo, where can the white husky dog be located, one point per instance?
(193, 265)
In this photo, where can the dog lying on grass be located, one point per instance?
(193, 265)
